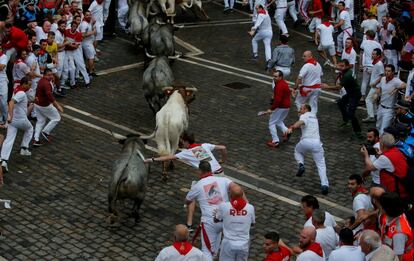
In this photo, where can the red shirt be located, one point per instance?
(75, 37)
(17, 39)
(315, 6)
(44, 96)
(281, 255)
(399, 162)
(281, 95)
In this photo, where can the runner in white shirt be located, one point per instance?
(377, 71)
(3, 86)
(62, 59)
(308, 83)
(349, 54)
(325, 235)
(325, 31)
(262, 31)
(367, 46)
(88, 34)
(388, 88)
(33, 64)
(210, 191)
(312, 251)
(17, 120)
(96, 9)
(310, 142)
(181, 250)
(237, 217)
(382, 10)
(345, 25)
(370, 23)
(347, 251)
(41, 32)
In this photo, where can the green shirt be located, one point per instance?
(350, 84)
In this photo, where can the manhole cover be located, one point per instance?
(237, 85)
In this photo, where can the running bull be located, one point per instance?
(129, 176)
(172, 120)
(137, 19)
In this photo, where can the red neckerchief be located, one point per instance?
(238, 203)
(411, 40)
(376, 60)
(388, 79)
(326, 23)
(182, 247)
(312, 61)
(193, 145)
(19, 61)
(316, 247)
(42, 52)
(360, 190)
(1, 53)
(262, 11)
(348, 50)
(206, 175)
(342, 11)
(308, 216)
(18, 89)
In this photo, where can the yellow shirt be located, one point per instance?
(373, 9)
(52, 49)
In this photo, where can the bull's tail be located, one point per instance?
(149, 137)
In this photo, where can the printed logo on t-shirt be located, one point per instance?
(200, 153)
(213, 194)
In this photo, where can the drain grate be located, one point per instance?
(237, 85)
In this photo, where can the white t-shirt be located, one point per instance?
(327, 238)
(236, 225)
(344, 15)
(346, 253)
(210, 192)
(263, 23)
(329, 221)
(310, 128)
(370, 24)
(375, 174)
(40, 34)
(368, 46)
(409, 90)
(326, 34)
(377, 72)
(199, 153)
(3, 61)
(311, 74)
(86, 27)
(388, 99)
(349, 4)
(361, 201)
(97, 13)
(383, 163)
(20, 106)
(310, 256)
(382, 10)
(171, 254)
(351, 57)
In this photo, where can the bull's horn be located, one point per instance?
(178, 26)
(117, 136)
(160, 23)
(174, 57)
(194, 89)
(149, 55)
(167, 88)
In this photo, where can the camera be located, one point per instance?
(370, 148)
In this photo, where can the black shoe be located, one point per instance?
(87, 86)
(93, 74)
(301, 170)
(325, 190)
(295, 24)
(190, 228)
(37, 143)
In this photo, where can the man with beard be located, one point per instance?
(311, 251)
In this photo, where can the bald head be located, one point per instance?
(307, 55)
(181, 233)
(307, 237)
(236, 191)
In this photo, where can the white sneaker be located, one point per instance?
(25, 152)
(327, 62)
(4, 166)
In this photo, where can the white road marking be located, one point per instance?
(215, 24)
(119, 68)
(217, 21)
(244, 172)
(193, 50)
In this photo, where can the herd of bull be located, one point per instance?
(152, 24)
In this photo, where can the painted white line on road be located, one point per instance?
(119, 68)
(193, 50)
(216, 24)
(263, 191)
(217, 21)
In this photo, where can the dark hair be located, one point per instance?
(35, 47)
(274, 236)
(310, 201)
(346, 236)
(341, 3)
(391, 66)
(87, 11)
(189, 137)
(61, 22)
(51, 33)
(392, 204)
(346, 62)
(378, 51)
(350, 39)
(47, 70)
(308, 107)
(280, 73)
(370, 34)
(20, 52)
(8, 25)
(283, 39)
(356, 177)
(204, 166)
(24, 80)
(375, 131)
(43, 41)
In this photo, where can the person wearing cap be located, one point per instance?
(29, 12)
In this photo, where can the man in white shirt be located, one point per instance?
(308, 83)
(349, 54)
(309, 204)
(210, 191)
(310, 142)
(41, 32)
(61, 43)
(3, 86)
(237, 217)
(370, 23)
(312, 251)
(325, 235)
(347, 251)
(382, 10)
(18, 111)
(262, 31)
(373, 138)
(388, 88)
(88, 37)
(325, 31)
(345, 24)
(377, 71)
(181, 250)
(367, 46)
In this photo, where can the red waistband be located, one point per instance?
(316, 86)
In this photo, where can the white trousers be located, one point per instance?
(384, 118)
(345, 34)
(303, 9)
(391, 57)
(266, 36)
(13, 127)
(229, 4)
(43, 114)
(214, 235)
(61, 62)
(276, 122)
(75, 61)
(370, 103)
(3, 99)
(313, 146)
(366, 77)
(228, 252)
(315, 22)
(311, 99)
(280, 14)
(292, 10)
(284, 70)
